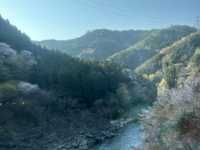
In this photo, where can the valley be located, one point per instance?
(105, 90)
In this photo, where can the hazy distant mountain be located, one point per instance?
(151, 45)
(97, 44)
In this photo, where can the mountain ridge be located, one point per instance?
(151, 45)
(104, 42)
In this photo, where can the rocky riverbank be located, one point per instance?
(78, 130)
(130, 137)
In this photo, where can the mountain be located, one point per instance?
(130, 48)
(182, 57)
(146, 48)
(42, 89)
(52, 70)
(12, 36)
(97, 44)
(175, 116)
(180, 51)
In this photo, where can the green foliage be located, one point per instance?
(4, 73)
(150, 66)
(170, 75)
(115, 104)
(195, 61)
(121, 101)
(23, 105)
(72, 78)
(7, 87)
(8, 91)
(12, 36)
(155, 77)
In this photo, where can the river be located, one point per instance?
(128, 138)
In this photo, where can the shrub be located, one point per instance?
(4, 73)
(115, 104)
(7, 87)
(173, 122)
(170, 75)
(8, 91)
(23, 103)
(195, 61)
(189, 123)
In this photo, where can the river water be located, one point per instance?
(128, 138)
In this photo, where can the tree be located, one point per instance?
(170, 75)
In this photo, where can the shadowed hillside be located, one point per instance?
(97, 44)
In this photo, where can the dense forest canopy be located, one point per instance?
(56, 71)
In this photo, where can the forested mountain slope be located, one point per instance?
(183, 53)
(42, 89)
(97, 44)
(150, 45)
(173, 121)
(49, 99)
(54, 71)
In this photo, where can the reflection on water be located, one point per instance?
(129, 137)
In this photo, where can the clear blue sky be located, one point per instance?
(64, 19)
